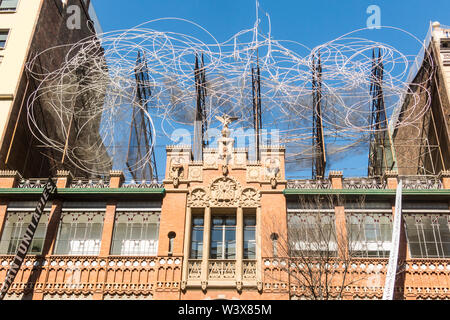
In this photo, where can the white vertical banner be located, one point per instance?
(388, 293)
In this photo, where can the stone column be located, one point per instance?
(239, 246)
(206, 245)
(52, 228)
(259, 265)
(186, 247)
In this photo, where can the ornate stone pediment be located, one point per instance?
(225, 192)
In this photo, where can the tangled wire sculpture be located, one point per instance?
(90, 98)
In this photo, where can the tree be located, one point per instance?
(317, 247)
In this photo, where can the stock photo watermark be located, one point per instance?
(374, 20)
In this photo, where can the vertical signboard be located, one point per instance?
(22, 250)
(388, 293)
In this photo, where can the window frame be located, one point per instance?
(8, 34)
(97, 242)
(201, 231)
(422, 241)
(152, 249)
(23, 228)
(224, 228)
(362, 246)
(9, 10)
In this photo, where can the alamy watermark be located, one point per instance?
(374, 20)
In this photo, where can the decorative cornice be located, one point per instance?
(64, 174)
(390, 174)
(10, 174)
(116, 174)
(444, 174)
(178, 148)
(335, 174)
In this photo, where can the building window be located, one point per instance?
(197, 237)
(80, 233)
(274, 238)
(370, 234)
(8, 5)
(223, 237)
(135, 233)
(249, 237)
(171, 235)
(312, 234)
(3, 38)
(14, 230)
(428, 235)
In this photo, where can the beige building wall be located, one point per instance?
(21, 24)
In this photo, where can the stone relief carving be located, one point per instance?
(176, 170)
(272, 171)
(250, 198)
(225, 192)
(198, 198)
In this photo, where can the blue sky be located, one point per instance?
(309, 22)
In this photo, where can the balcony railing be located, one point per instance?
(83, 274)
(194, 269)
(222, 269)
(89, 184)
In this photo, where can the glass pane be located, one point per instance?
(217, 221)
(197, 221)
(249, 221)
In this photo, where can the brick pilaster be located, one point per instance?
(64, 179)
(108, 229)
(336, 179)
(9, 179)
(445, 179)
(3, 212)
(391, 178)
(116, 179)
(52, 228)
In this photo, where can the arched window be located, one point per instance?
(171, 235)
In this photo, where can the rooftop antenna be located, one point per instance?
(256, 93)
(318, 143)
(141, 136)
(200, 124)
(380, 152)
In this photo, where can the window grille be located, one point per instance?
(312, 234)
(136, 233)
(428, 235)
(14, 230)
(369, 234)
(80, 233)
